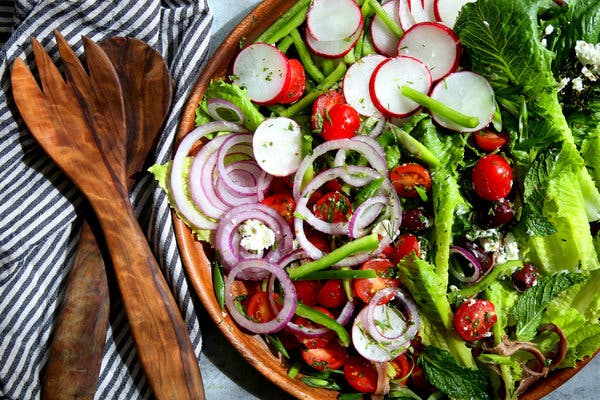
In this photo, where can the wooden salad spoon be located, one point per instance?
(63, 128)
(76, 348)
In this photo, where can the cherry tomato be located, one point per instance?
(341, 122)
(406, 177)
(333, 207)
(259, 307)
(329, 357)
(296, 85)
(283, 203)
(365, 288)
(403, 367)
(474, 319)
(321, 107)
(332, 294)
(306, 291)
(489, 140)
(314, 342)
(361, 374)
(318, 239)
(492, 177)
(403, 246)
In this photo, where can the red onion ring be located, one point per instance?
(383, 380)
(340, 156)
(289, 258)
(467, 255)
(409, 313)
(364, 215)
(289, 297)
(368, 148)
(230, 142)
(214, 104)
(229, 248)
(191, 213)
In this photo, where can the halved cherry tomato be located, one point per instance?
(403, 246)
(321, 107)
(296, 85)
(283, 203)
(332, 294)
(406, 177)
(333, 207)
(366, 288)
(492, 177)
(403, 367)
(474, 319)
(332, 356)
(318, 341)
(361, 374)
(489, 140)
(318, 239)
(306, 291)
(259, 308)
(341, 122)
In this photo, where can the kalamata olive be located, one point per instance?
(415, 220)
(501, 212)
(484, 259)
(526, 277)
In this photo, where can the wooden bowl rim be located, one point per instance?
(193, 253)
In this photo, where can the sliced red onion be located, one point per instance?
(471, 259)
(367, 148)
(225, 242)
(340, 157)
(233, 141)
(178, 186)
(289, 297)
(364, 215)
(223, 110)
(406, 321)
(298, 254)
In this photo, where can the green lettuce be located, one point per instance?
(503, 43)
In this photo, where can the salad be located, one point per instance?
(409, 192)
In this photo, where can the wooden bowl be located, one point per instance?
(196, 256)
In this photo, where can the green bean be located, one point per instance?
(365, 243)
(285, 43)
(386, 18)
(319, 318)
(311, 96)
(367, 191)
(340, 274)
(218, 284)
(295, 369)
(499, 270)
(304, 56)
(290, 20)
(415, 147)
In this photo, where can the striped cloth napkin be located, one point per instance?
(39, 207)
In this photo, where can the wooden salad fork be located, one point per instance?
(67, 131)
(77, 343)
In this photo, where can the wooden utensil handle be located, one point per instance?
(76, 349)
(157, 327)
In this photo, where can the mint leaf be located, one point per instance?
(529, 308)
(443, 372)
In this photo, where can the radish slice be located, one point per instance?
(468, 93)
(356, 85)
(296, 85)
(333, 20)
(446, 11)
(332, 48)
(404, 15)
(434, 44)
(263, 70)
(384, 40)
(277, 146)
(390, 76)
(419, 12)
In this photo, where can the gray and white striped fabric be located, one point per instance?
(39, 207)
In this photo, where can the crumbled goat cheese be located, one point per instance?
(577, 84)
(544, 42)
(509, 249)
(588, 74)
(549, 29)
(588, 54)
(563, 83)
(256, 236)
(385, 228)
